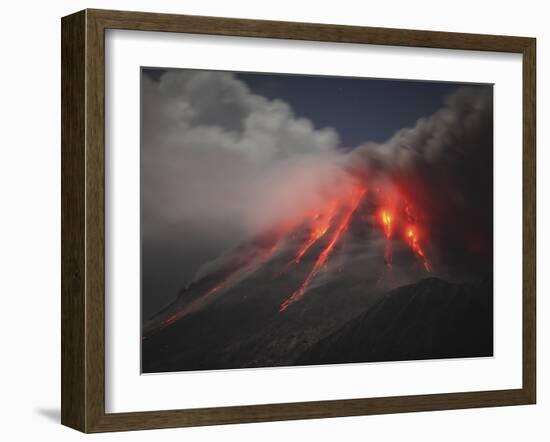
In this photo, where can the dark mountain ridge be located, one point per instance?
(429, 320)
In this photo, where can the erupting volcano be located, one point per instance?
(261, 303)
(383, 213)
(282, 297)
(296, 220)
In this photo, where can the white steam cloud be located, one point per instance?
(213, 152)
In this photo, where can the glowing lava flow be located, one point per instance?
(386, 218)
(325, 254)
(195, 304)
(412, 238)
(321, 224)
(231, 279)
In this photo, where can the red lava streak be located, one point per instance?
(320, 225)
(412, 238)
(225, 283)
(386, 219)
(326, 252)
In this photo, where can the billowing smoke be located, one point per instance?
(444, 166)
(213, 152)
(221, 165)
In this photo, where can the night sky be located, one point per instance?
(360, 109)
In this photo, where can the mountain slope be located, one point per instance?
(429, 320)
(301, 293)
(244, 328)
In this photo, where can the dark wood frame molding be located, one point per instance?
(83, 216)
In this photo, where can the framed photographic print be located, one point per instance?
(268, 220)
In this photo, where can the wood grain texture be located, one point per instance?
(83, 220)
(144, 21)
(73, 129)
(95, 222)
(529, 220)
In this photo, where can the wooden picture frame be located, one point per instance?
(83, 220)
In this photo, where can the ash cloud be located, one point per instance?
(212, 150)
(219, 165)
(444, 165)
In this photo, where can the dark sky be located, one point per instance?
(359, 109)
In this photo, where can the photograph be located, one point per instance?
(297, 220)
(242, 221)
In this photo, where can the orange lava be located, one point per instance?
(411, 234)
(386, 219)
(320, 225)
(327, 251)
(224, 284)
